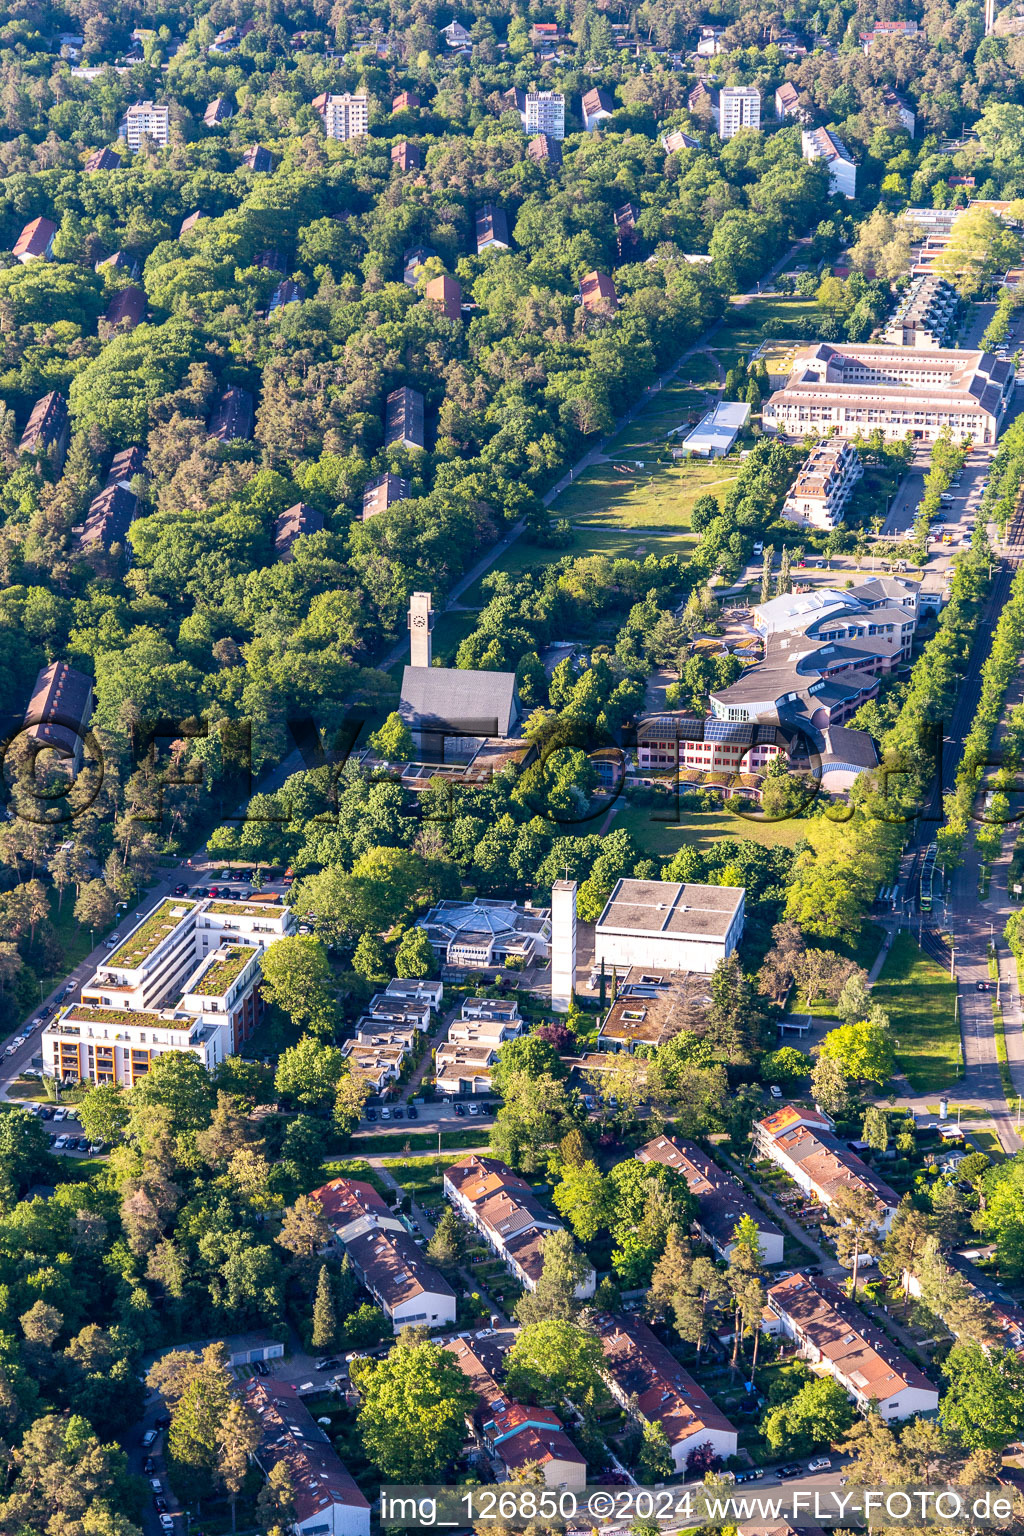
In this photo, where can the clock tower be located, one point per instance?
(421, 624)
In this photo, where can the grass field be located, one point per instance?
(661, 839)
(785, 317)
(919, 998)
(693, 390)
(863, 951)
(658, 496)
(617, 543)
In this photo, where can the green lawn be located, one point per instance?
(352, 1168)
(661, 839)
(919, 998)
(789, 318)
(421, 1176)
(658, 496)
(692, 392)
(616, 543)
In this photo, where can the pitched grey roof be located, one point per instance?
(459, 701)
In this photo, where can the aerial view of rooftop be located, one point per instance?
(512, 795)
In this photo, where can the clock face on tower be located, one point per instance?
(419, 620)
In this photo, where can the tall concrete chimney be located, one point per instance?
(563, 944)
(421, 624)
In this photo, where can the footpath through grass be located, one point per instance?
(920, 1000)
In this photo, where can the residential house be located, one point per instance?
(463, 1062)
(902, 110)
(146, 120)
(288, 291)
(403, 419)
(1007, 1314)
(126, 309)
(445, 293)
(190, 222)
(887, 29)
(414, 258)
(925, 316)
(832, 1332)
(677, 141)
(417, 990)
(125, 465)
(544, 33)
(649, 1008)
(516, 1436)
(103, 160)
(544, 151)
(822, 489)
(258, 159)
(118, 262)
(722, 1202)
(383, 492)
(232, 421)
(456, 35)
(48, 429)
(819, 1163)
(326, 1498)
(406, 101)
(596, 106)
(823, 144)
(405, 1285)
(787, 103)
(406, 156)
(597, 294)
(218, 111)
(35, 241)
(58, 713)
(641, 1373)
(491, 229)
(700, 100)
(507, 1214)
(709, 42)
(294, 523)
(111, 513)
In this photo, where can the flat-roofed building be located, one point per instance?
(403, 418)
(463, 1062)
(181, 979)
(823, 144)
(544, 112)
(925, 315)
(819, 495)
(295, 523)
(735, 107)
(650, 1009)
(346, 116)
(670, 926)
(668, 741)
(383, 491)
(146, 120)
(722, 1202)
(898, 391)
(832, 1332)
(643, 1376)
(35, 243)
(59, 711)
(508, 1215)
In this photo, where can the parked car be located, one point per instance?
(982, 986)
(460, 1110)
(161, 1504)
(60, 1113)
(750, 1475)
(82, 1143)
(214, 890)
(149, 1438)
(112, 940)
(413, 1112)
(45, 1112)
(792, 1469)
(61, 1143)
(398, 1113)
(371, 1114)
(385, 1114)
(181, 890)
(775, 1091)
(474, 1109)
(820, 1464)
(166, 1522)
(330, 1364)
(199, 891)
(97, 1147)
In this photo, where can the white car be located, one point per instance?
(167, 1522)
(820, 1464)
(61, 1143)
(112, 940)
(775, 1091)
(60, 1114)
(156, 1485)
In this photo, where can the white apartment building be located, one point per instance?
(463, 1062)
(903, 391)
(347, 116)
(185, 978)
(832, 1332)
(735, 107)
(545, 113)
(819, 494)
(146, 120)
(823, 144)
